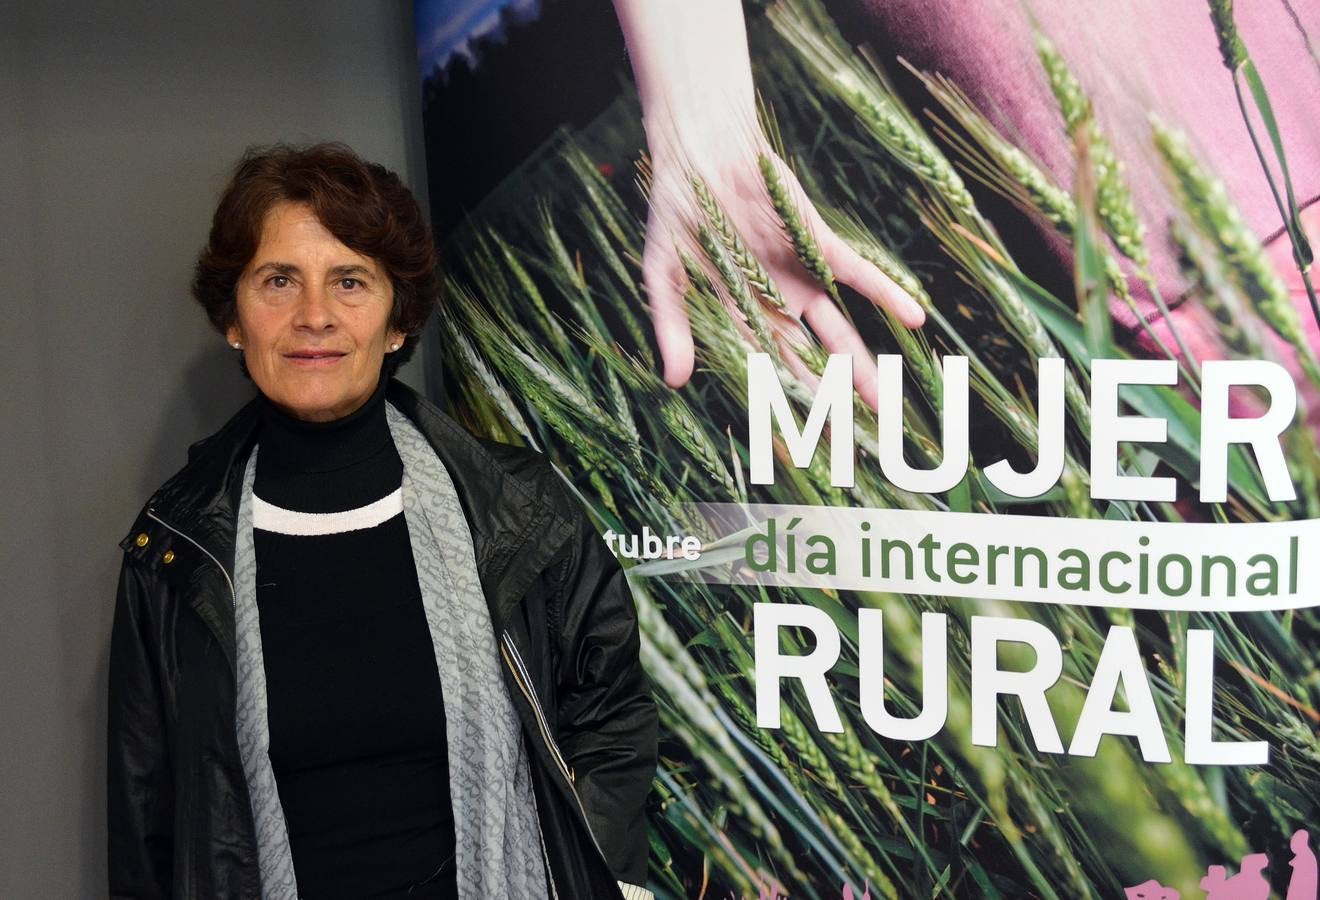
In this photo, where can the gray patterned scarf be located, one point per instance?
(499, 849)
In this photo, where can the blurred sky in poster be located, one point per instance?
(448, 28)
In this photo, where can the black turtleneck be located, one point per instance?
(357, 722)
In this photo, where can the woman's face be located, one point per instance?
(312, 317)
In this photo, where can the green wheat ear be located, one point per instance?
(742, 258)
(1231, 47)
(689, 433)
(895, 270)
(698, 281)
(804, 244)
(1237, 327)
(734, 283)
(1114, 203)
(1073, 102)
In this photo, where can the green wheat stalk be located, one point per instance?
(1206, 201)
(1247, 80)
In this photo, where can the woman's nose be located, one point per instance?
(314, 310)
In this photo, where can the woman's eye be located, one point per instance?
(278, 281)
(349, 284)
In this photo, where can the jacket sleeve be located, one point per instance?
(607, 718)
(140, 799)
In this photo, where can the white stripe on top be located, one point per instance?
(269, 517)
(635, 892)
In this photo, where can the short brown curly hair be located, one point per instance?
(362, 204)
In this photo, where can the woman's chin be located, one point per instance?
(313, 405)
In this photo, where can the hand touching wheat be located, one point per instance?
(737, 185)
(698, 105)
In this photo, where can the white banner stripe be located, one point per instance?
(269, 517)
(1180, 566)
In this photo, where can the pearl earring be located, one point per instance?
(394, 346)
(236, 345)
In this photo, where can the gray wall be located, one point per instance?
(118, 123)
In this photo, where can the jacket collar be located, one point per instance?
(506, 494)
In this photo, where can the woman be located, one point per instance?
(357, 651)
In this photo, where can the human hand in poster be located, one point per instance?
(691, 64)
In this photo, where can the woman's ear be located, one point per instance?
(396, 340)
(234, 335)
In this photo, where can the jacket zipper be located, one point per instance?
(515, 663)
(233, 598)
(233, 595)
(545, 854)
(540, 833)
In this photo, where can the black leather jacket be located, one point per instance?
(180, 823)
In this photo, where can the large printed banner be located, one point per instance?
(946, 375)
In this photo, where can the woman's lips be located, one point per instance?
(314, 358)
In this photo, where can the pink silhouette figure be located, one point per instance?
(849, 895)
(1304, 879)
(1249, 884)
(1215, 878)
(1151, 890)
